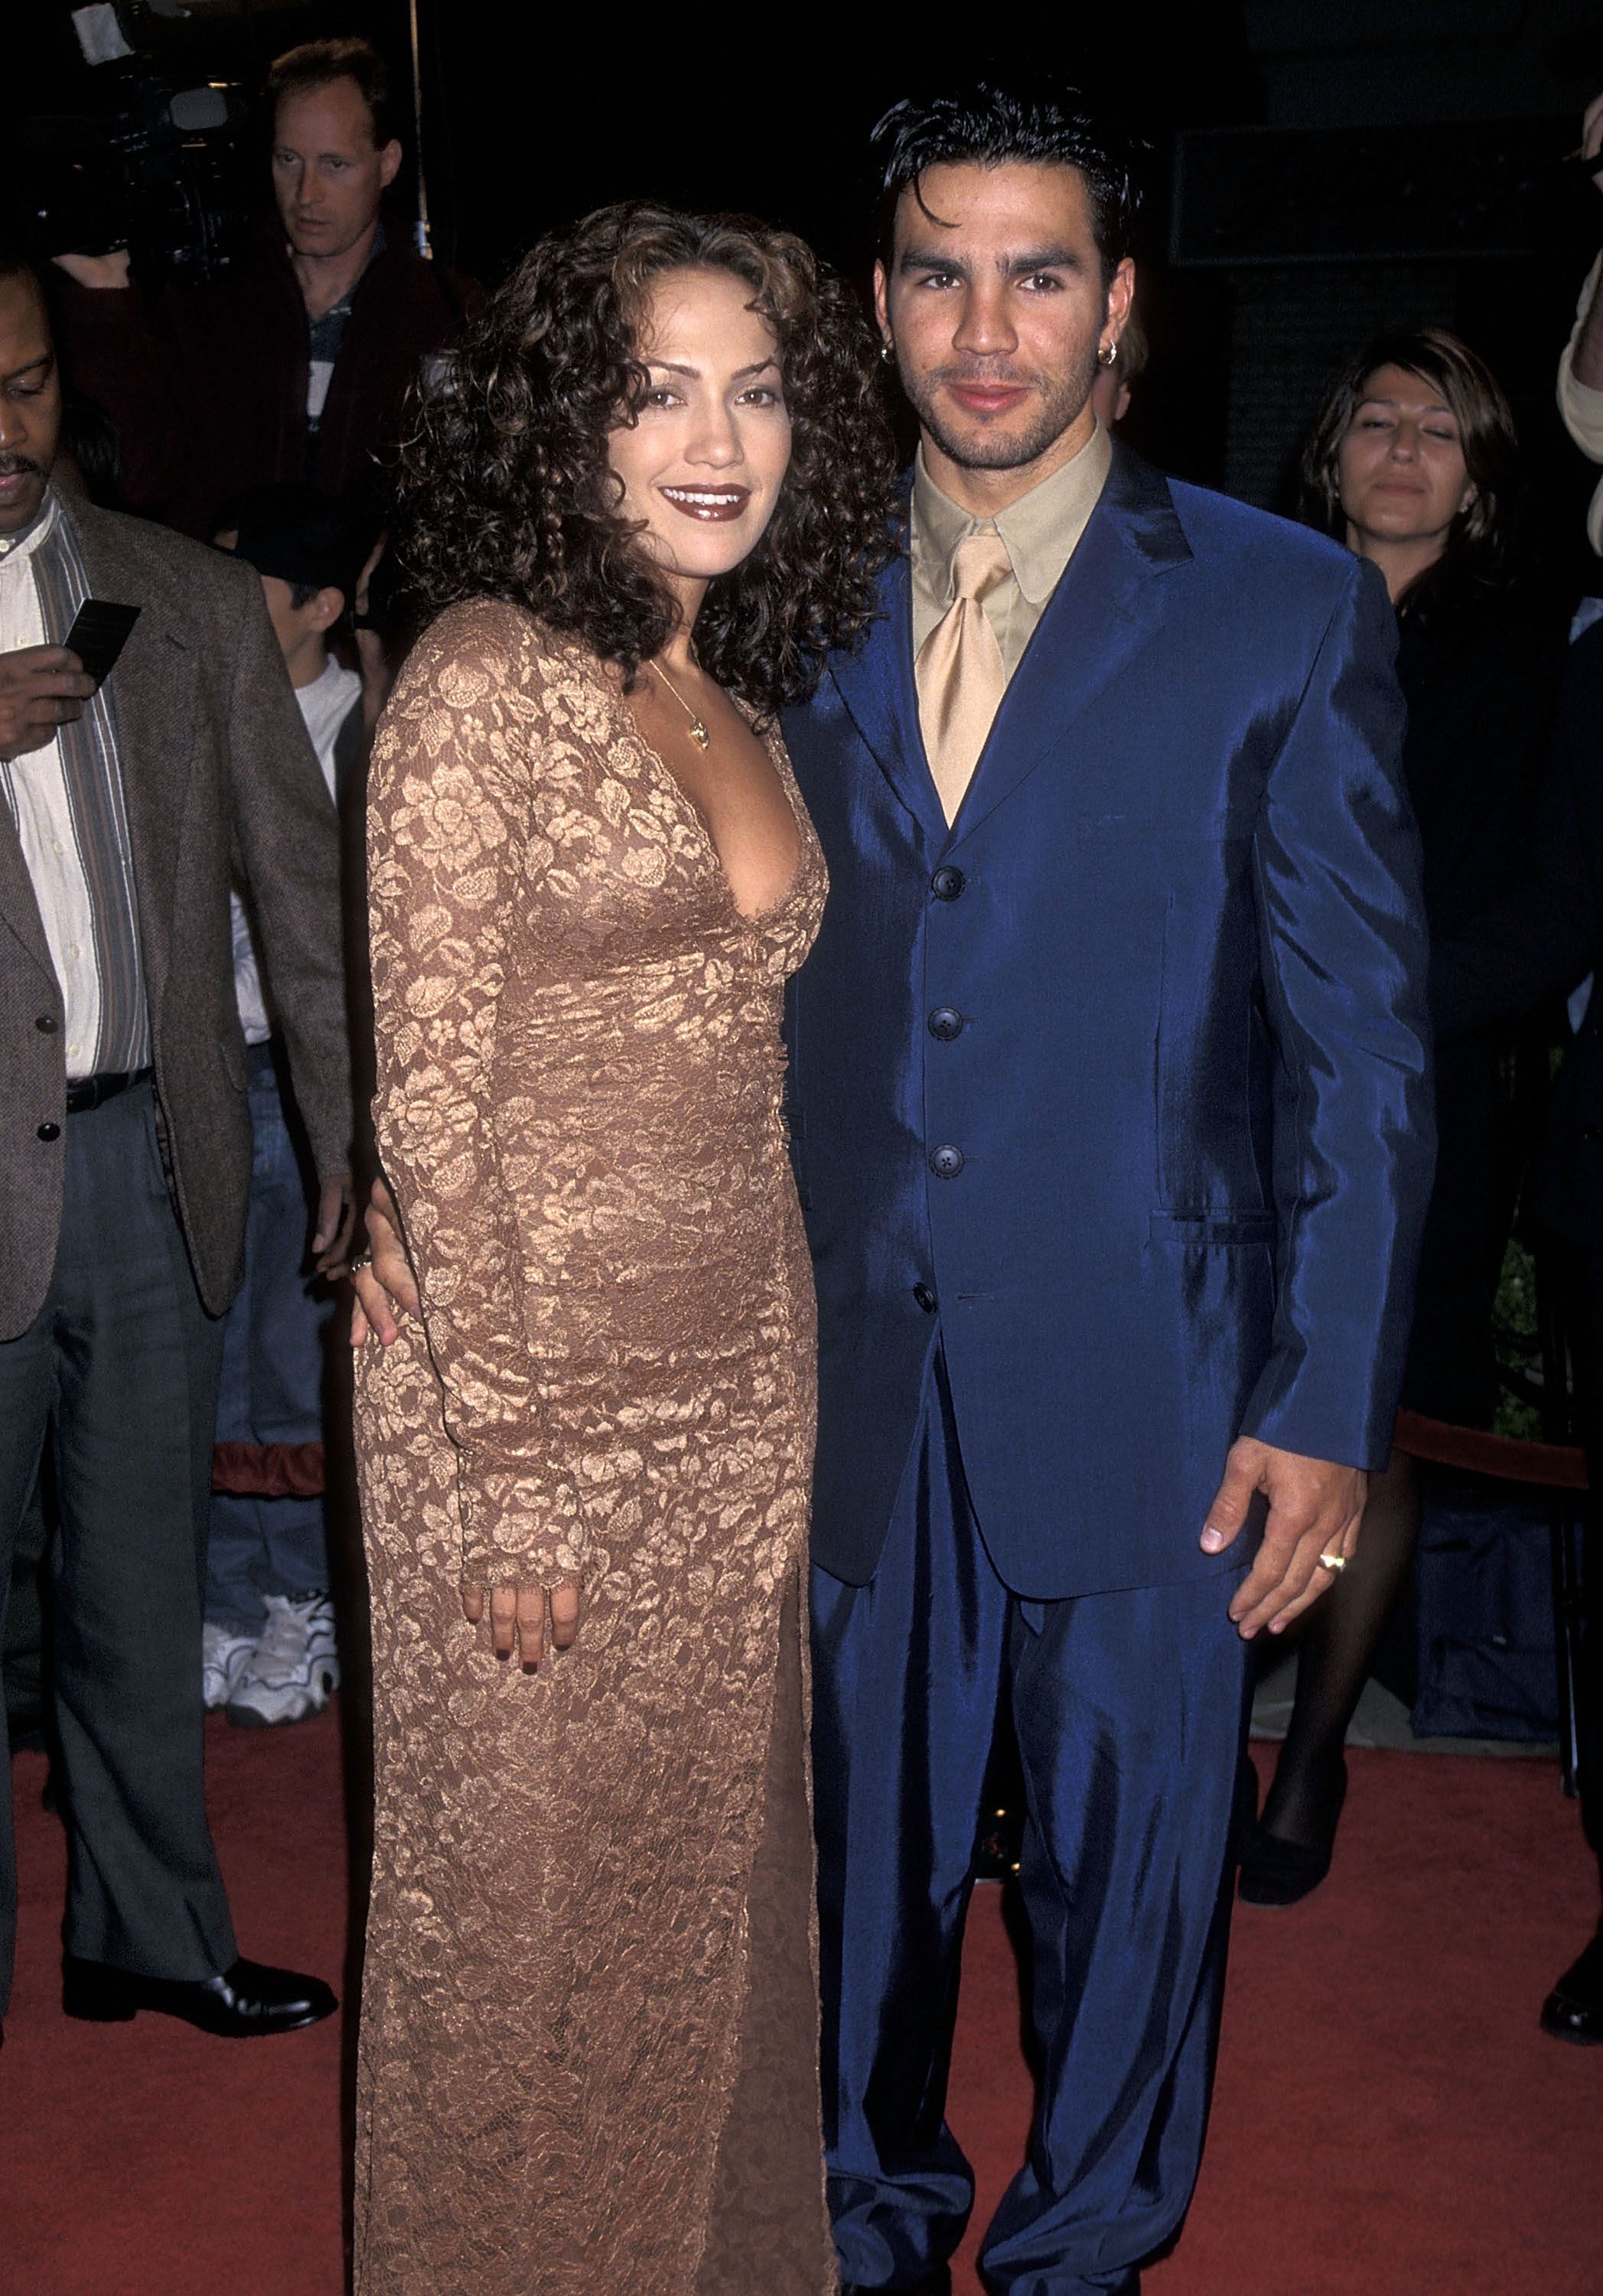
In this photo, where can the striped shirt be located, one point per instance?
(66, 802)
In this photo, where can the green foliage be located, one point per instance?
(1518, 1347)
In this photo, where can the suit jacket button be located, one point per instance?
(925, 1297)
(946, 1023)
(47, 1024)
(50, 1131)
(947, 884)
(946, 1163)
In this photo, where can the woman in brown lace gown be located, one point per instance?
(588, 2049)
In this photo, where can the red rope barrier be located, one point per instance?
(272, 1470)
(1556, 1466)
(268, 1471)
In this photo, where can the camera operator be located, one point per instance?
(294, 365)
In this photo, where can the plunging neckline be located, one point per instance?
(703, 827)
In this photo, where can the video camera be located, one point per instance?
(162, 171)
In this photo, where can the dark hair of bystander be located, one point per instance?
(316, 63)
(1479, 542)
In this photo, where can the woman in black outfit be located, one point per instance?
(1413, 462)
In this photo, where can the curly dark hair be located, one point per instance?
(507, 491)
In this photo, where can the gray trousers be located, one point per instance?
(119, 1371)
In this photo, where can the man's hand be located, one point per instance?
(1315, 1509)
(388, 1290)
(96, 270)
(336, 1217)
(517, 1616)
(41, 687)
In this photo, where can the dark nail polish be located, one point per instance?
(531, 1666)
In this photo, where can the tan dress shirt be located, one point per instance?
(1040, 532)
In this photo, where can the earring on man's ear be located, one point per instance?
(887, 352)
(1108, 354)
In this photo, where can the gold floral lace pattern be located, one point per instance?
(569, 1973)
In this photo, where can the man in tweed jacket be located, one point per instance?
(125, 1160)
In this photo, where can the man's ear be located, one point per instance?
(326, 607)
(389, 164)
(1121, 294)
(882, 301)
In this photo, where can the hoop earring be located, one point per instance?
(1108, 354)
(888, 352)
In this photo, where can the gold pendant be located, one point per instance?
(699, 733)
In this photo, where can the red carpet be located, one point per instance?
(1389, 2122)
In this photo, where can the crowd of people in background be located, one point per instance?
(255, 428)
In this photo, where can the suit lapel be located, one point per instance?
(1107, 605)
(154, 688)
(876, 685)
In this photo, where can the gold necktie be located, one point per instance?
(959, 672)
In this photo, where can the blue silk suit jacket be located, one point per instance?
(1122, 1083)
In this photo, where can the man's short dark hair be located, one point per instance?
(310, 540)
(987, 126)
(316, 63)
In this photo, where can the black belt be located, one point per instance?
(83, 1093)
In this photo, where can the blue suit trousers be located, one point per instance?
(1129, 1711)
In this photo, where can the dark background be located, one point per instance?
(1317, 167)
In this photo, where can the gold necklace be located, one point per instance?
(699, 733)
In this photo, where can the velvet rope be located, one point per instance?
(276, 1471)
(268, 1471)
(1555, 1467)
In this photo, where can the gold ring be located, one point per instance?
(1334, 1561)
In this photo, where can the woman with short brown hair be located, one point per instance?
(1413, 462)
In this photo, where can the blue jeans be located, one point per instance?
(272, 1370)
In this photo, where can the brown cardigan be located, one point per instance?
(218, 776)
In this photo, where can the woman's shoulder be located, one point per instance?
(496, 642)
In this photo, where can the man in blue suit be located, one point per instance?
(1111, 1120)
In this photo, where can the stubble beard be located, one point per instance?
(1062, 399)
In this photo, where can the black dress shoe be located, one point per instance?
(1573, 2009)
(246, 1999)
(1277, 1871)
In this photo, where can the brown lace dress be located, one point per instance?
(588, 2053)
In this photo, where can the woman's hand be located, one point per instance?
(517, 1616)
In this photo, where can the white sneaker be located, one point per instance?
(224, 1658)
(294, 1666)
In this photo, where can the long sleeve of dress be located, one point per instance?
(455, 855)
